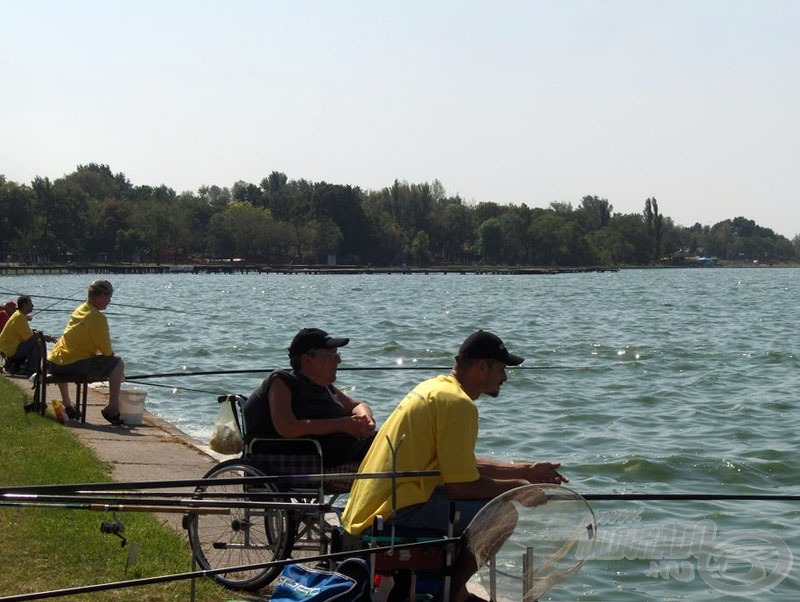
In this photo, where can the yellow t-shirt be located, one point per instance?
(85, 336)
(16, 331)
(438, 425)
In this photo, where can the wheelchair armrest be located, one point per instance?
(284, 445)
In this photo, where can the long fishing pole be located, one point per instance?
(692, 497)
(205, 482)
(99, 488)
(48, 308)
(346, 368)
(61, 299)
(107, 507)
(192, 389)
(84, 589)
(156, 504)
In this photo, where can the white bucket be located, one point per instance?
(131, 405)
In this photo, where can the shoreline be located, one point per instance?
(241, 268)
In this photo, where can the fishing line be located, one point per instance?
(60, 299)
(344, 368)
(177, 388)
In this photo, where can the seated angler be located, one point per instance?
(439, 419)
(84, 350)
(303, 402)
(17, 340)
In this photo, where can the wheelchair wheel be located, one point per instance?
(242, 536)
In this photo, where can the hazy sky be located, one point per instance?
(695, 103)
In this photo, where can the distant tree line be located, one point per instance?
(95, 215)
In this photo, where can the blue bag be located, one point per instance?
(348, 583)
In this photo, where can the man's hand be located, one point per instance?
(360, 426)
(545, 472)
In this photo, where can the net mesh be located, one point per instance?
(529, 540)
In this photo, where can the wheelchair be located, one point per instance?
(279, 515)
(281, 510)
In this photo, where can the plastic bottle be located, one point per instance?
(58, 410)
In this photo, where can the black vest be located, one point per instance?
(309, 400)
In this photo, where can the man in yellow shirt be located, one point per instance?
(17, 341)
(85, 350)
(435, 427)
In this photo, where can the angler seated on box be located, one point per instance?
(303, 403)
(435, 427)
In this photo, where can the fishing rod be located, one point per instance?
(346, 368)
(204, 482)
(108, 507)
(73, 298)
(692, 497)
(47, 309)
(84, 589)
(193, 390)
(104, 488)
(148, 504)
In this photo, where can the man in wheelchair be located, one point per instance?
(435, 427)
(304, 403)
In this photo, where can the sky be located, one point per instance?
(695, 103)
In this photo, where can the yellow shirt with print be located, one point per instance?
(438, 426)
(17, 330)
(85, 336)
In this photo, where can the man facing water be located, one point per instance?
(435, 427)
(303, 402)
(84, 349)
(17, 340)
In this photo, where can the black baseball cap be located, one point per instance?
(485, 345)
(314, 338)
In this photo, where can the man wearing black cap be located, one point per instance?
(303, 402)
(435, 427)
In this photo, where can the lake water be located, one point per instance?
(639, 381)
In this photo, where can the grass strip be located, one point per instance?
(43, 549)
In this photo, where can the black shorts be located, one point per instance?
(95, 369)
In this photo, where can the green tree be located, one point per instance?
(654, 224)
(452, 236)
(342, 205)
(594, 213)
(247, 232)
(276, 195)
(623, 241)
(16, 218)
(384, 236)
(107, 220)
(420, 248)
(490, 235)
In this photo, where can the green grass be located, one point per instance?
(43, 549)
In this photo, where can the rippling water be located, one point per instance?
(673, 381)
